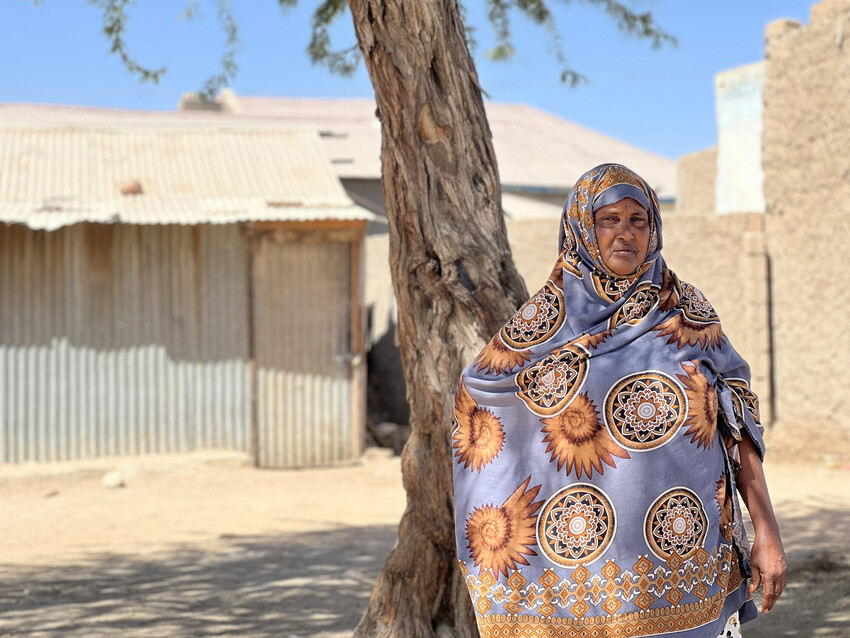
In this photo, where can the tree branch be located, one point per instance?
(343, 62)
(115, 18)
(640, 25)
(114, 25)
(228, 61)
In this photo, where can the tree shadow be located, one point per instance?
(318, 584)
(816, 601)
(305, 584)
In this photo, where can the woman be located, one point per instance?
(600, 440)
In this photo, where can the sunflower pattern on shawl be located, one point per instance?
(594, 448)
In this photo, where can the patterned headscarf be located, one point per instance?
(606, 184)
(594, 445)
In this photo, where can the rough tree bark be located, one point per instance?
(454, 279)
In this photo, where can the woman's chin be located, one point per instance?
(623, 266)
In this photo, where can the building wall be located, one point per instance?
(807, 192)
(385, 370)
(696, 181)
(739, 128)
(725, 256)
(534, 244)
(119, 339)
(123, 340)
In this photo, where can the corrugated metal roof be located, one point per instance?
(52, 214)
(538, 149)
(69, 167)
(350, 130)
(534, 149)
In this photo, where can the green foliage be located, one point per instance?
(192, 10)
(114, 25)
(640, 25)
(344, 61)
(228, 60)
(115, 17)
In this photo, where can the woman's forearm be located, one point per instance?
(767, 560)
(753, 488)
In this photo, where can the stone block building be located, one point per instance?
(778, 258)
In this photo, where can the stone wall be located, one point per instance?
(725, 257)
(695, 182)
(534, 244)
(772, 276)
(807, 192)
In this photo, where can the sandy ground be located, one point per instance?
(204, 545)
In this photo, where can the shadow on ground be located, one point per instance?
(816, 601)
(310, 584)
(318, 584)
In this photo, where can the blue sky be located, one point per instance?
(660, 100)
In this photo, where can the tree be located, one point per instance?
(453, 274)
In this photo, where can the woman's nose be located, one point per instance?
(624, 229)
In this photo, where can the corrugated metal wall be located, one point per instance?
(118, 339)
(302, 318)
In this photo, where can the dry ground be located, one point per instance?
(204, 545)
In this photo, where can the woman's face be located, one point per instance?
(622, 233)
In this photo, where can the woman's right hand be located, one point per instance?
(769, 567)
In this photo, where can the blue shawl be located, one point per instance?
(595, 443)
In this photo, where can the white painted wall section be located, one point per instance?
(740, 177)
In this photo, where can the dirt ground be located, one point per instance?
(205, 545)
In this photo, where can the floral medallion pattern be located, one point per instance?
(548, 386)
(644, 411)
(676, 523)
(537, 320)
(576, 525)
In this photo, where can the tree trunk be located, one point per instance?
(454, 278)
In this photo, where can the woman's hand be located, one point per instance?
(769, 567)
(768, 556)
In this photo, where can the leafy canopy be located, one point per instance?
(345, 61)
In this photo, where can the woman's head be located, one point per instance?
(612, 222)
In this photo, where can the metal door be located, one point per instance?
(307, 410)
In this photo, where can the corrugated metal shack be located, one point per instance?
(219, 307)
